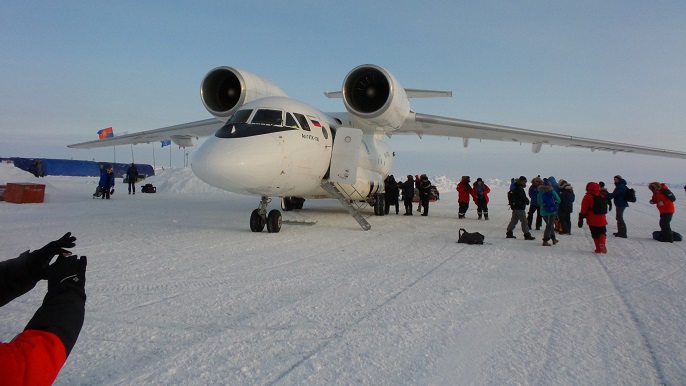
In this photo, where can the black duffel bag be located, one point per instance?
(465, 237)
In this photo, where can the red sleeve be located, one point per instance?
(33, 358)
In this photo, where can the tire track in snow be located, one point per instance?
(659, 371)
(369, 312)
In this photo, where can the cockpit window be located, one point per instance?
(291, 122)
(268, 117)
(303, 121)
(240, 116)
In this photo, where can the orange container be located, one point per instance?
(24, 193)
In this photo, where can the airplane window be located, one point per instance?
(268, 117)
(290, 121)
(326, 133)
(303, 121)
(240, 116)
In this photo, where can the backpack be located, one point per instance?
(510, 198)
(630, 195)
(470, 238)
(549, 203)
(148, 188)
(599, 205)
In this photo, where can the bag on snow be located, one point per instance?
(676, 236)
(465, 237)
(549, 203)
(630, 195)
(599, 205)
(99, 191)
(148, 188)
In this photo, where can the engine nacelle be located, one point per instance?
(225, 89)
(375, 98)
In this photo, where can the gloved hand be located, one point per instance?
(580, 224)
(112, 191)
(609, 206)
(39, 259)
(68, 272)
(63, 309)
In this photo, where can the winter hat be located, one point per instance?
(537, 180)
(618, 177)
(654, 186)
(546, 182)
(602, 184)
(409, 176)
(479, 180)
(522, 179)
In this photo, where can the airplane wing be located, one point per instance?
(182, 135)
(423, 124)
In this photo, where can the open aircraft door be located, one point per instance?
(345, 155)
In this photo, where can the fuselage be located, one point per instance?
(279, 147)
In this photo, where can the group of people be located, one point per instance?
(477, 192)
(552, 203)
(106, 182)
(418, 184)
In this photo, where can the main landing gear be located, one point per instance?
(259, 218)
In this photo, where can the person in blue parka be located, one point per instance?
(107, 182)
(618, 196)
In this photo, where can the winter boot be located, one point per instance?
(621, 231)
(485, 215)
(460, 215)
(509, 235)
(601, 244)
(479, 213)
(546, 243)
(555, 241)
(527, 236)
(597, 245)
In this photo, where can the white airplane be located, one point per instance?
(261, 142)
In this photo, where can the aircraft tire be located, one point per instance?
(379, 204)
(287, 204)
(274, 221)
(256, 222)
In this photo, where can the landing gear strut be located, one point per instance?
(259, 218)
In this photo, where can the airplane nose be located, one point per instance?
(248, 165)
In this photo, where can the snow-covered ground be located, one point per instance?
(180, 292)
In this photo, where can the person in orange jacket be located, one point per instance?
(36, 355)
(464, 193)
(664, 199)
(596, 221)
(480, 193)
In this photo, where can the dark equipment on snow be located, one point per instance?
(465, 237)
(148, 188)
(676, 236)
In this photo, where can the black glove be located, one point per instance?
(581, 221)
(38, 260)
(609, 206)
(112, 191)
(63, 308)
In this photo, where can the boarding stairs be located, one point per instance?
(353, 209)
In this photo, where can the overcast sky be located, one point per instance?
(610, 70)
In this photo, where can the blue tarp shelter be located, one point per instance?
(65, 167)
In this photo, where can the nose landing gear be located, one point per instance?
(259, 218)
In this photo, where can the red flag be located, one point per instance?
(106, 133)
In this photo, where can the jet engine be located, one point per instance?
(375, 98)
(225, 89)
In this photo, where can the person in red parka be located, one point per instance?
(664, 199)
(36, 355)
(596, 221)
(480, 194)
(464, 193)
